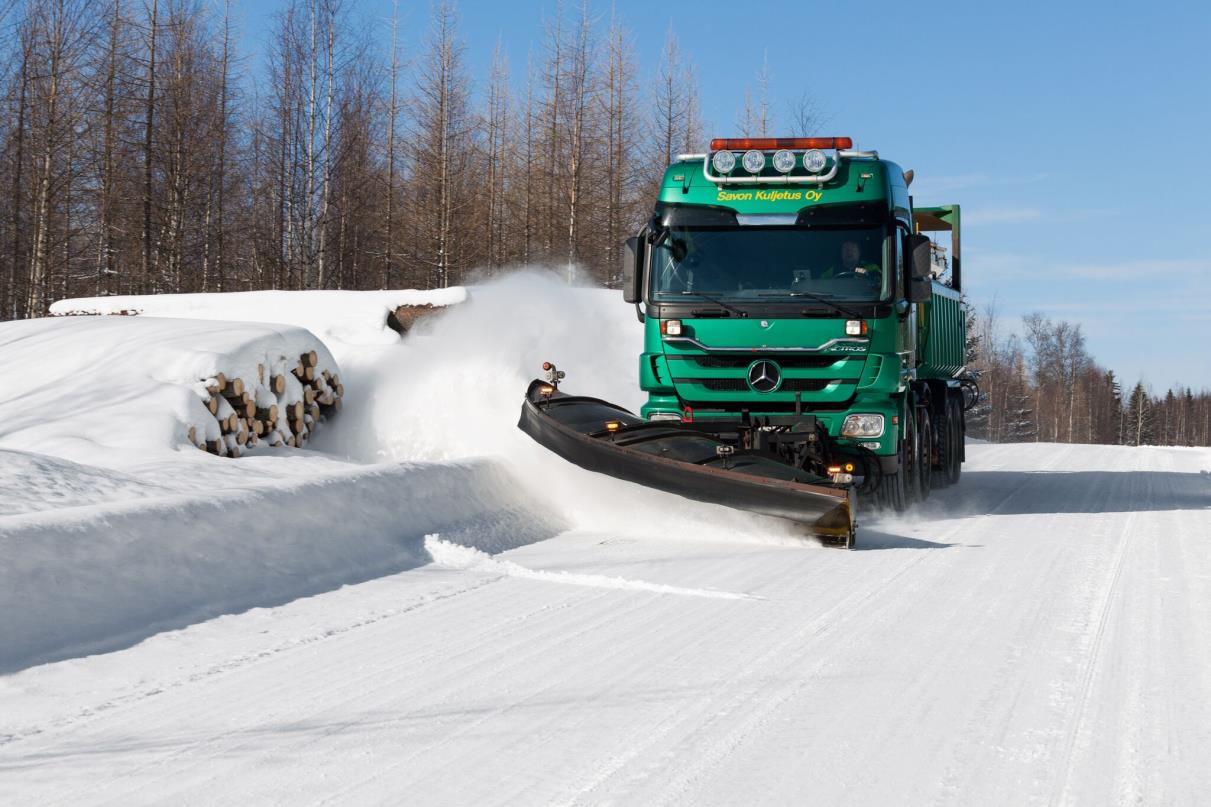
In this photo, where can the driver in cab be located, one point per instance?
(852, 263)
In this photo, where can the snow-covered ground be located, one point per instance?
(345, 320)
(515, 630)
(112, 390)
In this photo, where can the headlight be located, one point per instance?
(665, 416)
(814, 161)
(784, 161)
(724, 161)
(862, 426)
(753, 161)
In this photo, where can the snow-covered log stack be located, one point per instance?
(282, 405)
(93, 388)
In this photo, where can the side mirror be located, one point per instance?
(632, 270)
(920, 269)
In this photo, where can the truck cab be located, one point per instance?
(791, 296)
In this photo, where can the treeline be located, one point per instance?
(1044, 386)
(137, 156)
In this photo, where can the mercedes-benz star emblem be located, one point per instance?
(764, 376)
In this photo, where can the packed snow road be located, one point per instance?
(425, 607)
(1040, 634)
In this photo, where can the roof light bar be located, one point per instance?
(770, 143)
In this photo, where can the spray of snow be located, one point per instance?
(453, 390)
(108, 534)
(455, 556)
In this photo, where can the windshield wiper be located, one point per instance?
(714, 300)
(819, 298)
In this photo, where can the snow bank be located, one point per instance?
(96, 578)
(35, 482)
(343, 320)
(182, 536)
(104, 389)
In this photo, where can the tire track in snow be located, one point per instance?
(1093, 664)
(995, 712)
(535, 648)
(234, 664)
(678, 791)
(375, 686)
(382, 681)
(824, 624)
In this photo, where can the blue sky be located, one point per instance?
(1074, 133)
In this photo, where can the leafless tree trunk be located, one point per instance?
(57, 26)
(619, 89)
(579, 91)
(16, 304)
(326, 181)
(442, 135)
(387, 279)
(670, 105)
(106, 270)
(497, 123)
(220, 188)
(149, 131)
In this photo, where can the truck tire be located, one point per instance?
(947, 429)
(925, 451)
(956, 454)
(910, 463)
(892, 493)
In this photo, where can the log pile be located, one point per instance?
(282, 405)
(402, 318)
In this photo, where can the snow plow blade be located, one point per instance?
(682, 459)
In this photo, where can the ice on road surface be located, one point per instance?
(1038, 634)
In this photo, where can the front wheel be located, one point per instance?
(894, 491)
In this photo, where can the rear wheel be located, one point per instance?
(925, 447)
(910, 464)
(956, 433)
(946, 428)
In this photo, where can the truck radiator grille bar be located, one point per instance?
(741, 385)
(742, 362)
(764, 407)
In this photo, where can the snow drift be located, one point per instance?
(345, 320)
(91, 579)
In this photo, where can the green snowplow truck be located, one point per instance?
(797, 305)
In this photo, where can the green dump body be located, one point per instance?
(705, 372)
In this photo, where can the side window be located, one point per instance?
(897, 261)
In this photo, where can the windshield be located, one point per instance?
(770, 264)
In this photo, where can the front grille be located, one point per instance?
(753, 405)
(805, 384)
(741, 385)
(742, 362)
(719, 384)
